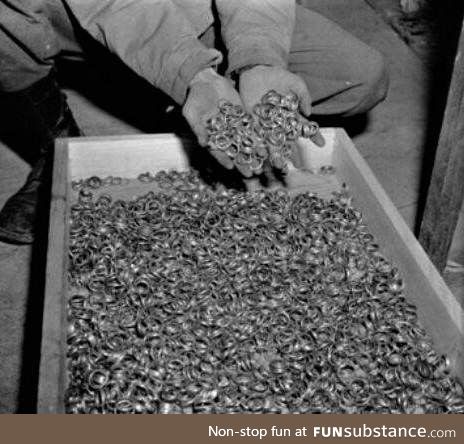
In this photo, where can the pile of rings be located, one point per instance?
(267, 134)
(202, 300)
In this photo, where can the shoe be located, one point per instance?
(20, 216)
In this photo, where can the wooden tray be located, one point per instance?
(438, 310)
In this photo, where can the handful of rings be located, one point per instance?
(267, 134)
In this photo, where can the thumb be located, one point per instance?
(305, 103)
(191, 116)
(200, 132)
(198, 128)
(305, 98)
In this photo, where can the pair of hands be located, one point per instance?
(208, 89)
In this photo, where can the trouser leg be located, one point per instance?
(44, 108)
(344, 75)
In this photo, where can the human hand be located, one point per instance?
(207, 91)
(255, 82)
(259, 82)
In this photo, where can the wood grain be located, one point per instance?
(446, 190)
(438, 310)
(52, 376)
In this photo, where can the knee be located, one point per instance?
(376, 80)
(372, 83)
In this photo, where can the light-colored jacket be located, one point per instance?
(158, 39)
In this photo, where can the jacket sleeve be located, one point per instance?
(151, 36)
(256, 31)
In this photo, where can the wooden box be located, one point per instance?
(438, 310)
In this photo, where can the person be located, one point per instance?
(267, 45)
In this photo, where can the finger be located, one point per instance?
(244, 170)
(278, 162)
(202, 140)
(201, 133)
(271, 179)
(223, 159)
(275, 158)
(248, 102)
(273, 152)
(197, 128)
(305, 103)
(295, 156)
(301, 90)
(316, 138)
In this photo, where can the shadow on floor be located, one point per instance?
(31, 349)
(439, 25)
